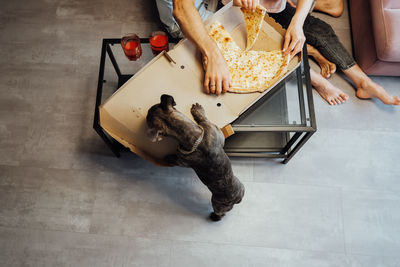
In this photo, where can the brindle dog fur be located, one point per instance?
(209, 160)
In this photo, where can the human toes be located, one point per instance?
(325, 72)
(396, 100)
(344, 96)
(332, 68)
(338, 100)
(331, 101)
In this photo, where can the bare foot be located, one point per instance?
(327, 68)
(330, 7)
(329, 92)
(369, 89)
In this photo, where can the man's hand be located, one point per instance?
(217, 79)
(247, 4)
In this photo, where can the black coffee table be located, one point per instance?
(276, 126)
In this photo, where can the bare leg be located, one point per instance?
(327, 90)
(330, 7)
(366, 88)
(327, 67)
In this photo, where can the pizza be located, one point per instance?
(223, 38)
(251, 71)
(253, 22)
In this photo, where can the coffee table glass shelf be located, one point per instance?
(276, 126)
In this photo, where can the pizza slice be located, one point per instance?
(253, 22)
(222, 37)
(251, 71)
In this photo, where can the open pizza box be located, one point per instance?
(180, 74)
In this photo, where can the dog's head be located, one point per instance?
(157, 117)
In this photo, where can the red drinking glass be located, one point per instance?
(159, 42)
(131, 46)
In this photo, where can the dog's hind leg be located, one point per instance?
(220, 209)
(214, 217)
(198, 113)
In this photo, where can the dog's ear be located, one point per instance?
(166, 101)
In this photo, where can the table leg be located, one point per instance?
(297, 147)
(109, 143)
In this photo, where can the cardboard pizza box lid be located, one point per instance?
(123, 115)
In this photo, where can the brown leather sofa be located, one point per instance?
(376, 35)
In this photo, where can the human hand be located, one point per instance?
(294, 39)
(247, 4)
(217, 79)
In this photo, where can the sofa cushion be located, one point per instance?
(386, 25)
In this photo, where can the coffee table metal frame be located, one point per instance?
(295, 136)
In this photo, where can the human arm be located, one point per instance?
(217, 77)
(294, 37)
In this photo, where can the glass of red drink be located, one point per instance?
(159, 42)
(131, 46)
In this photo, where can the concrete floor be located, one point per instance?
(66, 201)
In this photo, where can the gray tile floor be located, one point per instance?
(66, 201)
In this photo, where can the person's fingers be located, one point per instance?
(206, 84)
(225, 85)
(253, 6)
(296, 49)
(218, 89)
(237, 3)
(212, 86)
(286, 44)
(245, 4)
(292, 45)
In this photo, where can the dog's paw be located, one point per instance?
(214, 217)
(197, 108)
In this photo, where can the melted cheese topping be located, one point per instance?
(253, 24)
(248, 69)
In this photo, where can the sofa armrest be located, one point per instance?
(386, 25)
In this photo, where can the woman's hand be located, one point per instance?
(247, 4)
(294, 39)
